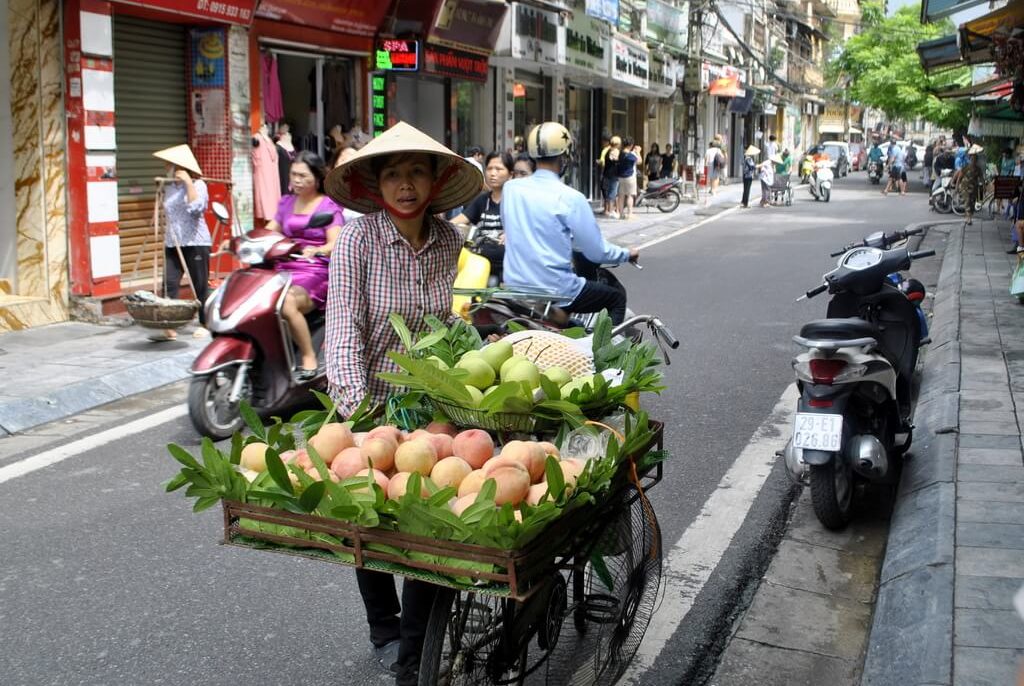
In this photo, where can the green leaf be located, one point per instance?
(550, 388)
(183, 456)
(346, 512)
(311, 497)
(496, 399)
(318, 463)
(177, 482)
(278, 472)
(404, 334)
(237, 443)
(555, 478)
(324, 399)
(487, 492)
(435, 381)
(432, 338)
(252, 420)
(601, 569)
(205, 503)
(441, 497)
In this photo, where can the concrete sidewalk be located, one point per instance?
(53, 372)
(955, 555)
(56, 371)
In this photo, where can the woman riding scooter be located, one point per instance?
(485, 210)
(400, 258)
(309, 274)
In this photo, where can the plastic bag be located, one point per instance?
(590, 442)
(1017, 282)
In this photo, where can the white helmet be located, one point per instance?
(548, 140)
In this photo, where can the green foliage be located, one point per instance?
(882, 68)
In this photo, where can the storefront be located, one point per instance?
(587, 61)
(138, 79)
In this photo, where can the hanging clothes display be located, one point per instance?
(273, 102)
(337, 108)
(266, 180)
(284, 165)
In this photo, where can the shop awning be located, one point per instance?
(996, 127)
(939, 52)
(993, 88)
(832, 128)
(726, 87)
(354, 17)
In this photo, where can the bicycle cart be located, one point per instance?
(570, 607)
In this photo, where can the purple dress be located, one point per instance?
(311, 275)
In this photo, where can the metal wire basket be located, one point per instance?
(497, 421)
(170, 315)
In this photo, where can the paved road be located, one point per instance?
(104, 579)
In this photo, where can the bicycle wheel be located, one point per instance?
(988, 210)
(614, 592)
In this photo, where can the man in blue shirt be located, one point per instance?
(897, 170)
(545, 221)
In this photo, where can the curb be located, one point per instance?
(26, 413)
(911, 638)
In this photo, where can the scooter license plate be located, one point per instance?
(818, 431)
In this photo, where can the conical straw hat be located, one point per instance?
(777, 159)
(180, 156)
(354, 185)
(975, 149)
(753, 151)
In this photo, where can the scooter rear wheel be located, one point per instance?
(832, 493)
(669, 202)
(211, 412)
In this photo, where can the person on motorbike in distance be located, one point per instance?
(400, 257)
(545, 221)
(309, 274)
(485, 210)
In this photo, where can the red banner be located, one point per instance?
(228, 11)
(357, 17)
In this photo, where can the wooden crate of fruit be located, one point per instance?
(507, 572)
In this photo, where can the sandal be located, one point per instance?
(302, 374)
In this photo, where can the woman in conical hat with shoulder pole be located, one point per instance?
(400, 257)
(185, 200)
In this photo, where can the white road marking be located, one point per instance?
(686, 229)
(63, 452)
(693, 558)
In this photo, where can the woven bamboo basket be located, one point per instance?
(171, 315)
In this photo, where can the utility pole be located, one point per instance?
(691, 92)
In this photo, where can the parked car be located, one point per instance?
(839, 154)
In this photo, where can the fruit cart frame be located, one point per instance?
(599, 564)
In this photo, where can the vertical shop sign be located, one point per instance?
(378, 103)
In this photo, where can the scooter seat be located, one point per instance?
(838, 329)
(659, 184)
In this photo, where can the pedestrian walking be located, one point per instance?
(749, 169)
(968, 180)
(653, 163)
(897, 160)
(767, 176)
(714, 163)
(668, 162)
(929, 160)
(772, 148)
(610, 176)
(629, 161)
(186, 237)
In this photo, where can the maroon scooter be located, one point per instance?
(252, 356)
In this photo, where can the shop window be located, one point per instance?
(620, 115)
(468, 121)
(529, 106)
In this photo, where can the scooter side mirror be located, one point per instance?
(320, 220)
(220, 212)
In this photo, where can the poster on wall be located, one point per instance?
(535, 35)
(587, 44)
(208, 112)
(208, 62)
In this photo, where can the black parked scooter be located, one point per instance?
(855, 380)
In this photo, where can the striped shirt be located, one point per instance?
(375, 271)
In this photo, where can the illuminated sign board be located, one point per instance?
(397, 55)
(379, 104)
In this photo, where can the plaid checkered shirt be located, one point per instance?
(375, 271)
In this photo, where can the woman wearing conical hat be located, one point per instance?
(185, 201)
(398, 258)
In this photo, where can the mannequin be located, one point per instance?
(285, 155)
(266, 180)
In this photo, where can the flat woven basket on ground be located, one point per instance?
(548, 349)
(172, 314)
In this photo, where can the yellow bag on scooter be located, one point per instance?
(474, 271)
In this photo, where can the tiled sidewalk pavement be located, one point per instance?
(988, 640)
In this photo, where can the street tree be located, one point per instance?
(879, 68)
